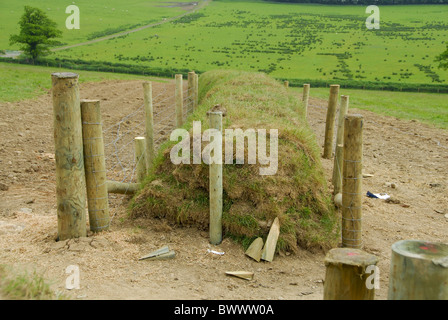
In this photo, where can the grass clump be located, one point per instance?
(297, 194)
(25, 287)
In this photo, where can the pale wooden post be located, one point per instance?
(216, 187)
(337, 166)
(179, 92)
(329, 124)
(352, 182)
(140, 158)
(149, 124)
(418, 271)
(346, 277)
(122, 187)
(190, 92)
(196, 91)
(95, 165)
(286, 84)
(305, 98)
(70, 176)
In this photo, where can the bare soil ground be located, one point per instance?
(410, 155)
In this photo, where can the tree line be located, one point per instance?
(366, 2)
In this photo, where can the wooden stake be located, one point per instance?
(346, 277)
(305, 98)
(418, 271)
(215, 187)
(271, 241)
(70, 176)
(337, 166)
(329, 124)
(196, 91)
(190, 92)
(255, 249)
(95, 165)
(149, 124)
(140, 158)
(179, 100)
(286, 84)
(352, 182)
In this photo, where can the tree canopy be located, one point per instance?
(36, 33)
(367, 2)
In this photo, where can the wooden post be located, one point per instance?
(140, 158)
(149, 124)
(179, 92)
(329, 124)
(216, 187)
(305, 98)
(95, 165)
(190, 92)
(418, 271)
(337, 166)
(346, 277)
(352, 182)
(286, 84)
(196, 91)
(70, 176)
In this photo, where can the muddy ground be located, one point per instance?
(406, 154)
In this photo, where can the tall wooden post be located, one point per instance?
(286, 83)
(149, 124)
(70, 176)
(216, 186)
(418, 271)
(190, 92)
(179, 100)
(95, 165)
(352, 182)
(196, 91)
(306, 98)
(337, 166)
(347, 275)
(140, 158)
(329, 124)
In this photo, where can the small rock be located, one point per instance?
(30, 201)
(3, 187)
(392, 201)
(446, 216)
(26, 210)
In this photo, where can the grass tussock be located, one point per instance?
(25, 287)
(297, 194)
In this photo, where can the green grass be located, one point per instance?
(429, 108)
(20, 82)
(294, 41)
(95, 16)
(25, 286)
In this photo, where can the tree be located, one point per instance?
(443, 59)
(36, 32)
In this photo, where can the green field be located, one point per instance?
(291, 41)
(430, 108)
(20, 82)
(95, 16)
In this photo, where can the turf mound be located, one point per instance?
(297, 194)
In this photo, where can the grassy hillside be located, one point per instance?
(294, 41)
(97, 17)
(297, 193)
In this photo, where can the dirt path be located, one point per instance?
(401, 152)
(190, 9)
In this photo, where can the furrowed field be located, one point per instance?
(291, 41)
